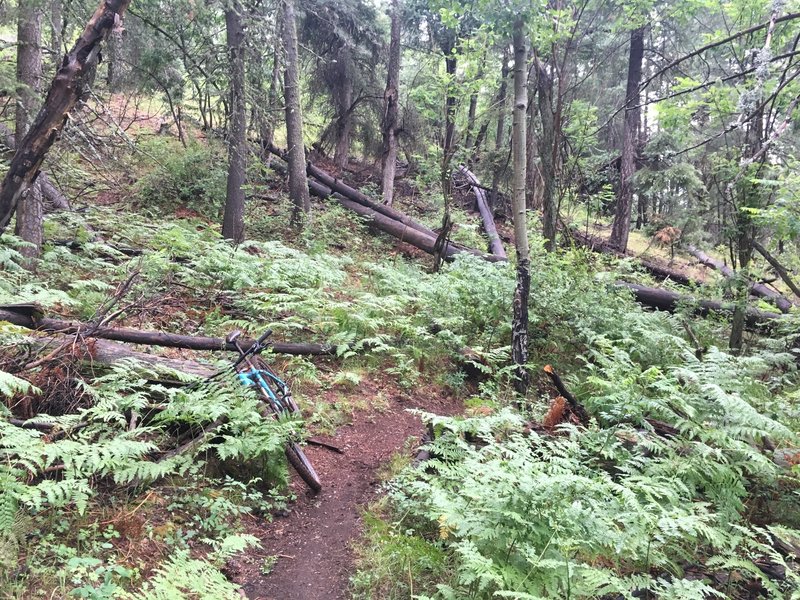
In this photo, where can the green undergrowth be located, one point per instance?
(675, 488)
(387, 315)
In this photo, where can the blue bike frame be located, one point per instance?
(259, 378)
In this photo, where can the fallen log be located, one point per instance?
(31, 320)
(668, 300)
(411, 236)
(404, 228)
(96, 351)
(598, 244)
(495, 244)
(337, 185)
(758, 289)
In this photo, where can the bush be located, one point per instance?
(194, 179)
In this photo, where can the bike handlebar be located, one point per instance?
(264, 337)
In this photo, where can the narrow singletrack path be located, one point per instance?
(313, 542)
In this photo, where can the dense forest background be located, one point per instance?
(563, 235)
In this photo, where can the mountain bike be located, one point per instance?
(254, 372)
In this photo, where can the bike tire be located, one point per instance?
(298, 459)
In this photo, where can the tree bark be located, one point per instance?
(52, 197)
(519, 326)
(105, 352)
(547, 153)
(533, 196)
(495, 244)
(404, 233)
(30, 216)
(391, 109)
(268, 131)
(622, 217)
(233, 219)
(298, 184)
(64, 94)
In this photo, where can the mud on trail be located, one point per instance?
(313, 542)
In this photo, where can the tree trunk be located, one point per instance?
(52, 197)
(533, 196)
(391, 100)
(64, 94)
(500, 132)
(344, 108)
(30, 217)
(519, 327)
(298, 184)
(267, 131)
(384, 218)
(473, 105)
(233, 219)
(622, 217)
(56, 23)
(547, 154)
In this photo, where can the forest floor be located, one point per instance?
(307, 554)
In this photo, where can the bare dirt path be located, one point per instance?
(313, 542)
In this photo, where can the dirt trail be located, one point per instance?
(313, 542)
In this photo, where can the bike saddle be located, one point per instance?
(233, 336)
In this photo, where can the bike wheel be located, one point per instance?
(297, 458)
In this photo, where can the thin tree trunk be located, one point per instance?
(500, 132)
(547, 153)
(298, 184)
(473, 105)
(757, 289)
(23, 318)
(56, 23)
(533, 197)
(61, 99)
(448, 149)
(344, 108)
(233, 219)
(30, 216)
(391, 99)
(519, 327)
(622, 218)
(268, 126)
(672, 301)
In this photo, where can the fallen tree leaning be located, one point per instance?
(495, 244)
(758, 289)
